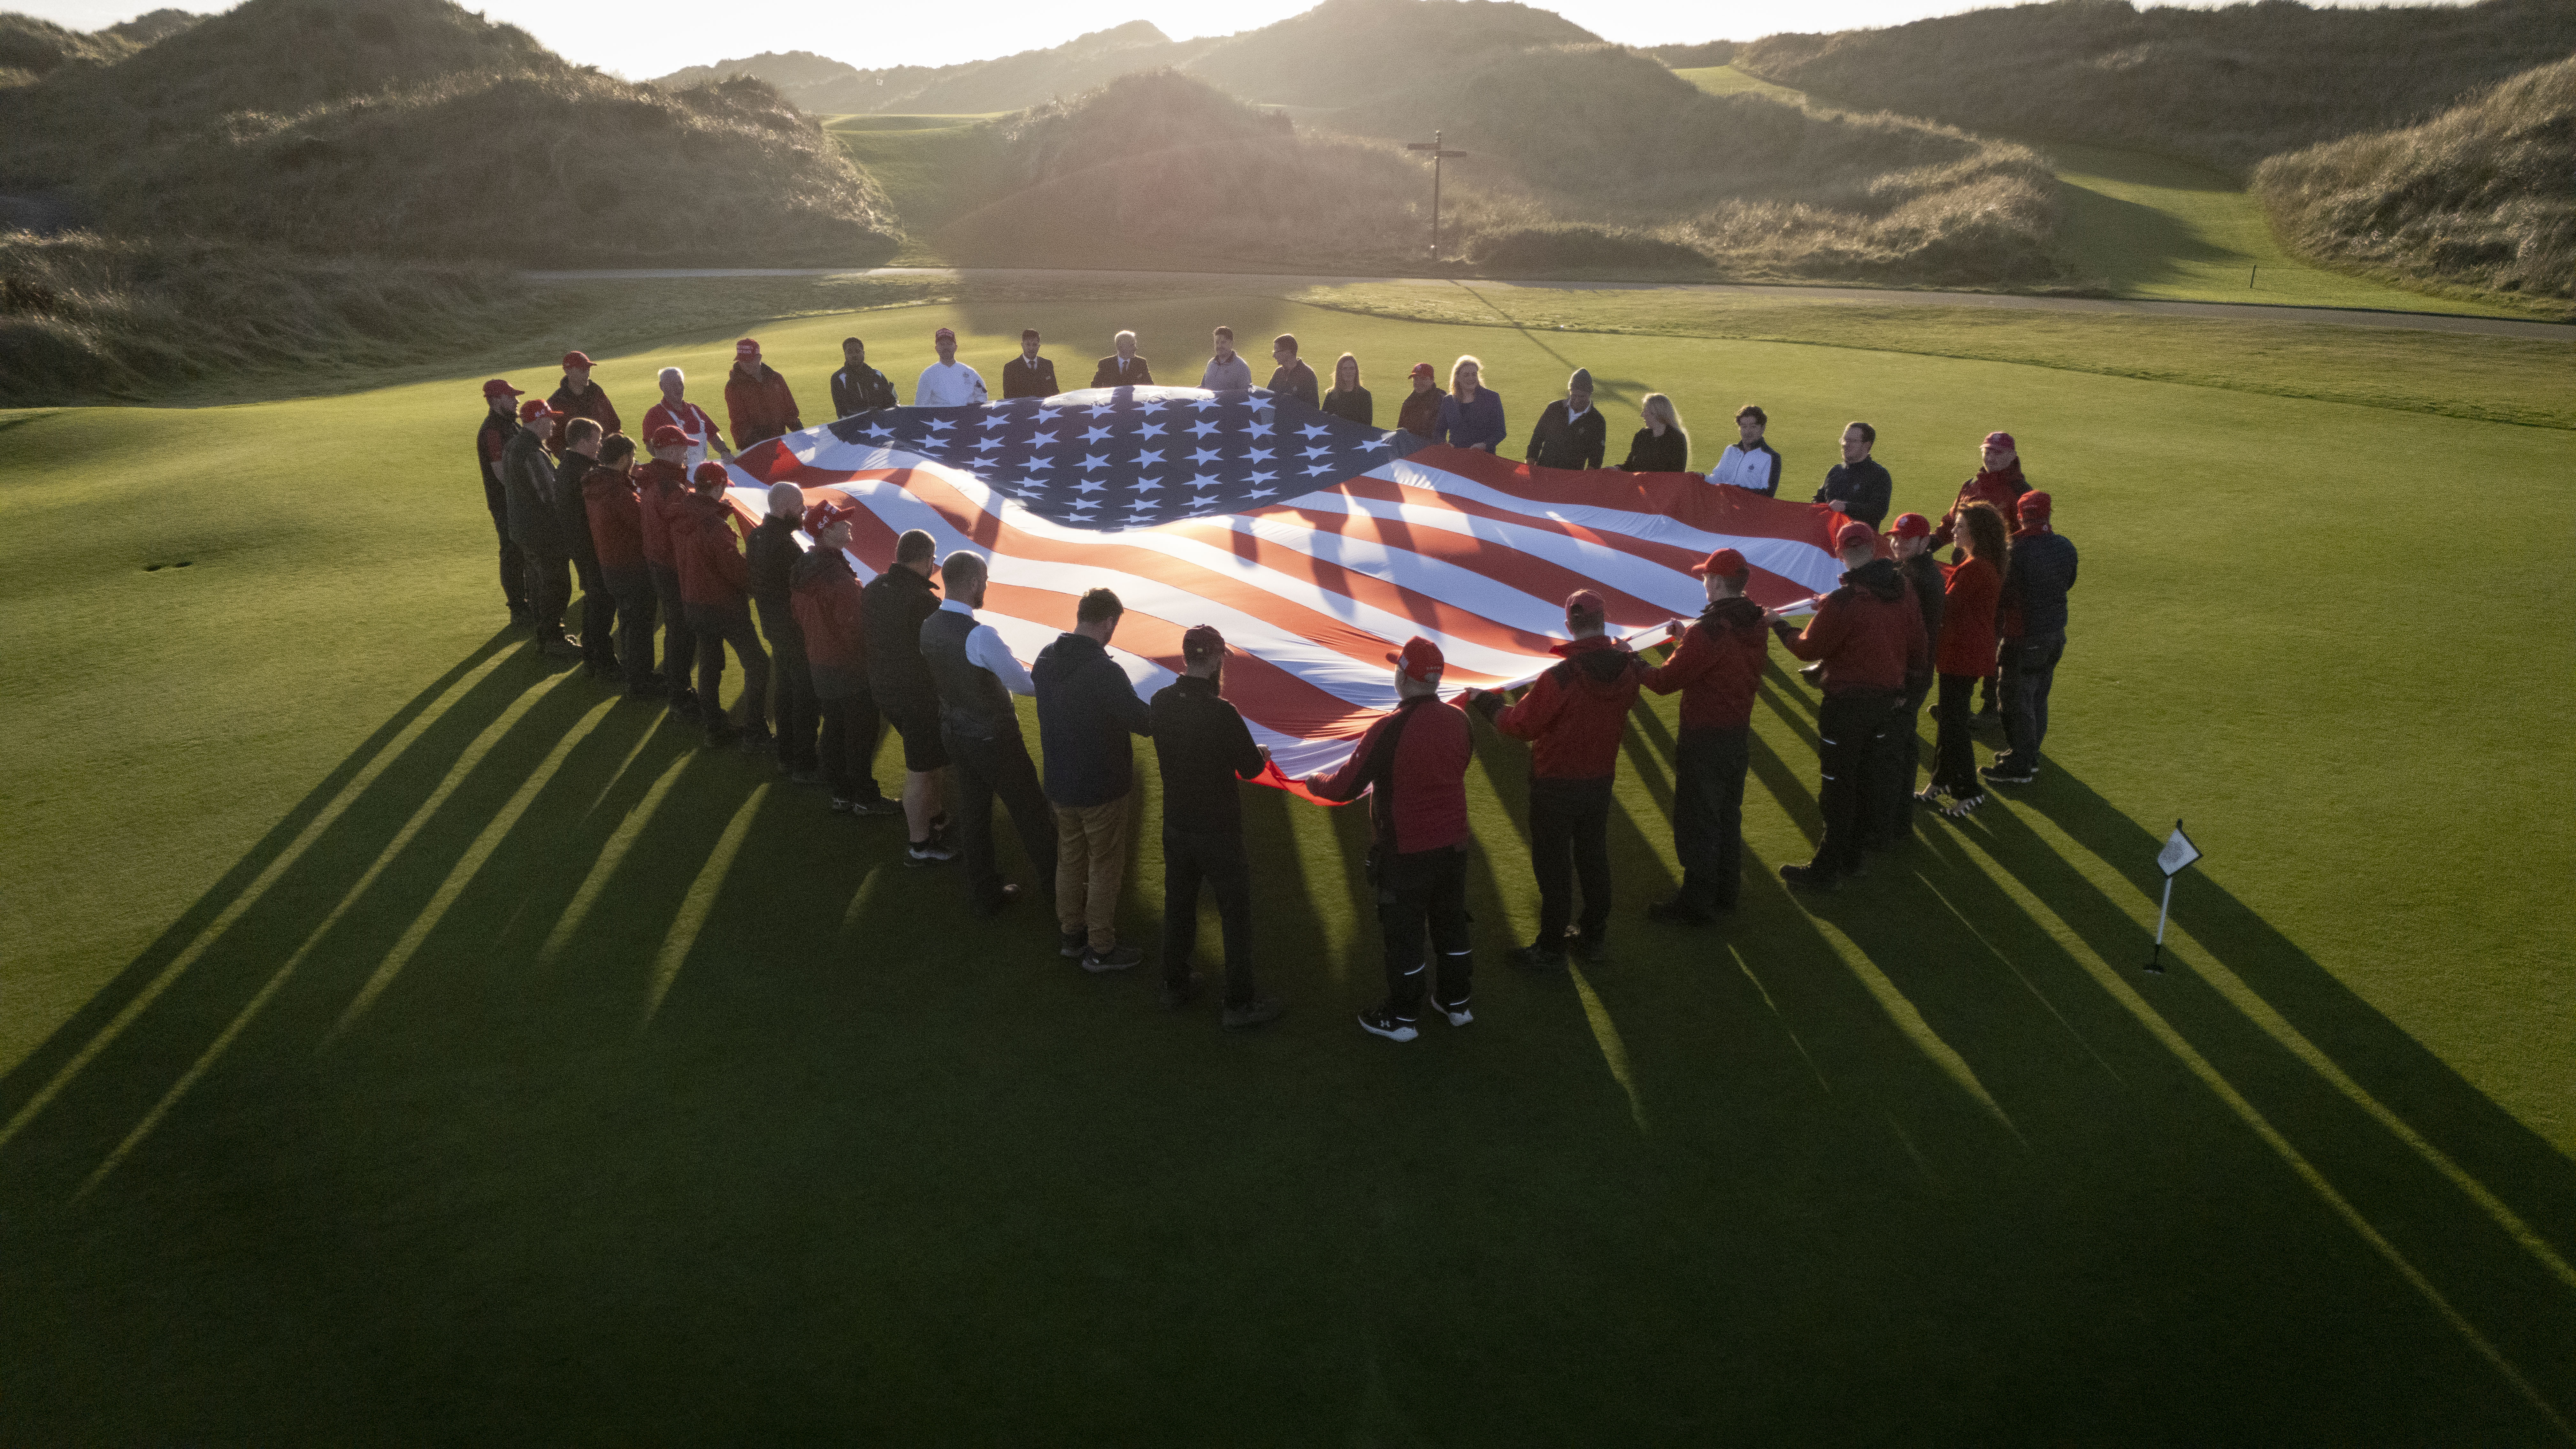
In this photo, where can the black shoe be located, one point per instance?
(2008, 771)
(1179, 994)
(1379, 1021)
(558, 645)
(756, 739)
(1116, 958)
(875, 805)
(1459, 1015)
(1071, 944)
(1677, 912)
(1536, 958)
(1808, 877)
(1254, 1012)
(804, 777)
(1590, 950)
(684, 702)
(649, 687)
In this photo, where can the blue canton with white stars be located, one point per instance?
(1133, 457)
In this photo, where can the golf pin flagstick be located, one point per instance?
(2178, 852)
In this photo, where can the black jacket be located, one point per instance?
(768, 559)
(860, 389)
(1295, 380)
(528, 484)
(1202, 747)
(1354, 406)
(1023, 378)
(1923, 571)
(891, 609)
(1862, 488)
(2036, 579)
(572, 510)
(1086, 710)
(1563, 441)
(1135, 374)
(489, 441)
(1650, 454)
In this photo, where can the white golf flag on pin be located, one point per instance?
(2178, 852)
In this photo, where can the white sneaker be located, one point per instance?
(1378, 1021)
(1458, 1015)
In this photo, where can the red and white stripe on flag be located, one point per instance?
(1313, 592)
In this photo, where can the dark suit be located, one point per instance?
(1133, 374)
(1023, 378)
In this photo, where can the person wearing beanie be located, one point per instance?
(500, 421)
(1998, 483)
(830, 612)
(898, 603)
(1965, 654)
(758, 405)
(676, 411)
(1420, 413)
(2036, 581)
(1749, 463)
(1858, 487)
(1570, 433)
(1869, 635)
(617, 538)
(1412, 764)
(582, 446)
(768, 557)
(976, 675)
(1292, 377)
(579, 397)
(1717, 665)
(1087, 709)
(714, 590)
(1574, 717)
(1203, 749)
(857, 387)
(528, 485)
(1029, 375)
(661, 485)
(1891, 822)
(948, 383)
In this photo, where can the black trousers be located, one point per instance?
(679, 641)
(2029, 667)
(982, 770)
(1570, 841)
(1216, 859)
(549, 586)
(715, 629)
(851, 729)
(514, 564)
(1891, 807)
(1850, 728)
(1425, 891)
(636, 606)
(800, 714)
(1708, 813)
(598, 614)
(1954, 748)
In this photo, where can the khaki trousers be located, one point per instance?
(1090, 863)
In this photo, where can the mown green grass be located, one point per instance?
(933, 168)
(452, 1131)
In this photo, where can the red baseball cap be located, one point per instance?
(576, 358)
(1584, 603)
(2000, 440)
(1421, 658)
(499, 387)
(1201, 641)
(535, 408)
(943, 332)
(1854, 532)
(1725, 563)
(823, 515)
(1423, 369)
(746, 348)
(709, 469)
(1911, 525)
(666, 436)
(2034, 504)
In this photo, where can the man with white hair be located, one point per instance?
(676, 411)
(1123, 368)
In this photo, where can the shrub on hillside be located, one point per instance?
(30, 48)
(1574, 249)
(2483, 195)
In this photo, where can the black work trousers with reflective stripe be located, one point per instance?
(1708, 814)
(1850, 729)
(1425, 892)
(1900, 750)
(1570, 841)
(1216, 859)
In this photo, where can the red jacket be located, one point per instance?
(826, 598)
(712, 572)
(616, 519)
(1576, 713)
(1968, 619)
(1717, 666)
(1423, 805)
(759, 408)
(2002, 489)
(1869, 632)
(658, 485)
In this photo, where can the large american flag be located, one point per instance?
(1316, 545)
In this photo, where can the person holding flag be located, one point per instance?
(617, 536)
(857, 387)
(1029, 375)
(758, 405)
(949, 383)
(2036, 581)
(1717, 666)
(1202, 747)
(661, 484)
(528, 483)
(1574, 717)
(830, 611)
(1869, 636)
(676, 411)
(715, 592)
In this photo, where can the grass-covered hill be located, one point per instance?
(2228, 86)
(1003, 83)
(413, 128)
(30, 47)
(2482, 195)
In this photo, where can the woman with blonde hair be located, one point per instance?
(1660, 446)
(1347, 399)
(1471, 416)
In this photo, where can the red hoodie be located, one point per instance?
(2003, 488)
(1429, 792)
(1869, 632)
(1968, 619)
(1577, 712)
(1717, 666)
(616, 520)
(826, 598)
(712, 572)
(658, 485)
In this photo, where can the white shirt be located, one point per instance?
(948, 385)
(1757, 468)
(985, 650)
(689, 418)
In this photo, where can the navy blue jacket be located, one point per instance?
(1862, 488)
(2035, 584)
(1086, 711)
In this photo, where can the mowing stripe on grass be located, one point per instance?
(1746, 967)
(223, 922)
(610, 855)
(1971, 927)
(2111, 981)
(695, 905)
(470, 864)
(1613, 1051)
(1900, 1009)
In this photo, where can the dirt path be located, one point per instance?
(2226, 311)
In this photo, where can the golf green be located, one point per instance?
(407, 1042)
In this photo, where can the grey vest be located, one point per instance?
(972, 701)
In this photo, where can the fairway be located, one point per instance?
(406, 1042)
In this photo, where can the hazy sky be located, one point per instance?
(645, 38)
